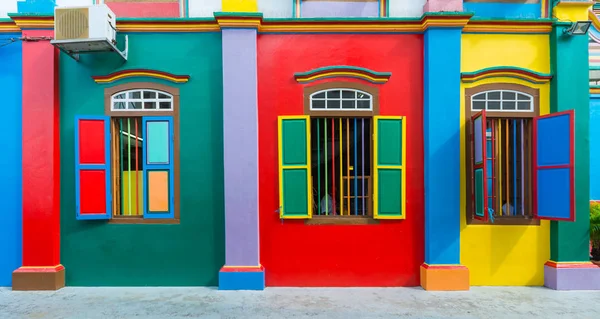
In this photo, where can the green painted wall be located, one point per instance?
(569, 241)
(190, 254)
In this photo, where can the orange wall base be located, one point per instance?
(444, 277)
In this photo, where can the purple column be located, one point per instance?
(310, 9)
(242, 268)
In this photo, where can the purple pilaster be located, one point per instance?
(571, 276)
(242, 268)
(314, 9)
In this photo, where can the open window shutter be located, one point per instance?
(158, 180)
(92, 168)
(389, 176)
(295, 195)
(553, 166)
(479, 184)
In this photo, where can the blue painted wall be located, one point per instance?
(504, 10)
(442, 145)
(10, 161)
(595, 148)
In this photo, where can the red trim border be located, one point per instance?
(258, 268)
(572, 265)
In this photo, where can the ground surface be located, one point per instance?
(280, 303)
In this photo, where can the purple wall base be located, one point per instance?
(581, 278)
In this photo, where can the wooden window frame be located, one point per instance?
(341, 85)
(535, 94)
(174, 92)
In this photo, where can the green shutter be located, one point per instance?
(389, 177)
(294, 167)
(479, 166)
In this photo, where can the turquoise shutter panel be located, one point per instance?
(295, 195)
(554, 166)
(479, 185)
(92, 168)
(158, 167)
(389, 176)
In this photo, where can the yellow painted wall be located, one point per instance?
(240, 5)
(503, 255)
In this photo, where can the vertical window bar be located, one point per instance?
(318, 168)
(333, 210)
(129, 165)
(522, 169)
(348, 165)
(341, 190)
(355, 169)
(122, 208)
(326, 161)
(137, 202)
(500, 157)
(507, 167)
(516, 209)
(362, 137)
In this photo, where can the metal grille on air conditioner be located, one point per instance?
(72, 23)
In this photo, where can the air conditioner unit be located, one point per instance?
(85, 23)
(85, 30)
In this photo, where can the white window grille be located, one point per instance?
(341, 99)
(502, 101)
(142, 100)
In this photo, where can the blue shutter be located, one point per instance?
(158, 155)
(553, 166)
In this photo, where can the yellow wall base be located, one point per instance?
(444, 277)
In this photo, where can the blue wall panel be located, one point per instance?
(504, 10)
(441, 119)
(595, 148)
(10, 159)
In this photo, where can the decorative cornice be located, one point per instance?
(224, 20)
(238, 20)
(506, 71)
(594, 18)
(123, 74)
(342, 71)
(541, 26)
(167, 25)
(32, 21)
(594, 89)
(8, 26)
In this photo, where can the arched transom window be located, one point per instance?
(341, 99)
(145, 99)
(502, 100)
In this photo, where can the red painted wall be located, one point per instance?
(295, 254)
(145, 9)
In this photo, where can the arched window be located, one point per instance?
(502, 101)
(142, 99)
(341, 99)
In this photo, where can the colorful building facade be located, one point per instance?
(307, 143)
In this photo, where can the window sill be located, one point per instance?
(130, 220)
(507, 221)
(341, 220)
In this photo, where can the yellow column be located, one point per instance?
(240, 6)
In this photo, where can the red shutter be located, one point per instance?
(479, 173)
(92, 167)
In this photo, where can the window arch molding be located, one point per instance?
(110, 92)
(471, 95)
(311, 92)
